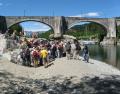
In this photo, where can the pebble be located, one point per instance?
(94, 85)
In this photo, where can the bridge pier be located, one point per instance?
(111, 28)
(57, 27)
(60, 26)
(111, 33)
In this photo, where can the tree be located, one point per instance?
(16, 27)
(87, 31)
(45, 34)
(118, 32)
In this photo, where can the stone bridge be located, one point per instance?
(118, 22)
(60, 24)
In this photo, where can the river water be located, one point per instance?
(109, 54)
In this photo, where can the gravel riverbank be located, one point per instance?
(61, 77)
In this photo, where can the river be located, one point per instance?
(109, 54)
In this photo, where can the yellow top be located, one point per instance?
(44, 53)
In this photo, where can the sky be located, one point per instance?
(74, 8)
(34, 26)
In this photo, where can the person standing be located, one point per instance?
(44, 55)
(78, 48)
(86, 53)
(60, 50)
(22, 55)
(35, 57)
(28, 57)
(53, 51)
(73, 50)
(68, 50)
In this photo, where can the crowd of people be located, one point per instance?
(43, 52)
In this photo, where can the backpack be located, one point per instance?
(78, 47)
(35, 54)
(73, 46)
(22, 54)
(60, 47)
(68, 47)
(27, 52)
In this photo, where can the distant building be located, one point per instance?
(32, 34)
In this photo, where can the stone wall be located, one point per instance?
(108, 41)
(6, 44)
(2, 43)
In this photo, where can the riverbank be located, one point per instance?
(60, 66)
(61, 71)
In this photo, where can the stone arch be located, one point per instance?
(102, 25)
(105, 27)
(75, 22)
(30, 20)
(11, 20)
(102, 21)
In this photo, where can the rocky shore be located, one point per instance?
(61, 77)
(87, 85)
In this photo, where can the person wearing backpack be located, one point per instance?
(28, 57)
(78, 48)
(68, 50)
(35, 57)
(22, 55)
(86, 54)
(53, 51)
(73, 50)
(60, 50)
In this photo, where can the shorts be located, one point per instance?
(44, 59)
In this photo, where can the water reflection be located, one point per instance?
(109, 54)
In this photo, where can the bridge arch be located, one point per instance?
(108, 23)
(32, 21)
(76, 22)
(47, 20)
(103, 30)
(101, 22)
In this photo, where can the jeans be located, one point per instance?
(86, 57)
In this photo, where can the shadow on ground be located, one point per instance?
(107, 84)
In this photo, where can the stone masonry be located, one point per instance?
(60, 24)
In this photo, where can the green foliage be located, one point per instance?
(118, 32)
(16, 27)
(45, 34)
(3, 23)
(87, 31)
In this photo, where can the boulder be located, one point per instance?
(68, 37)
